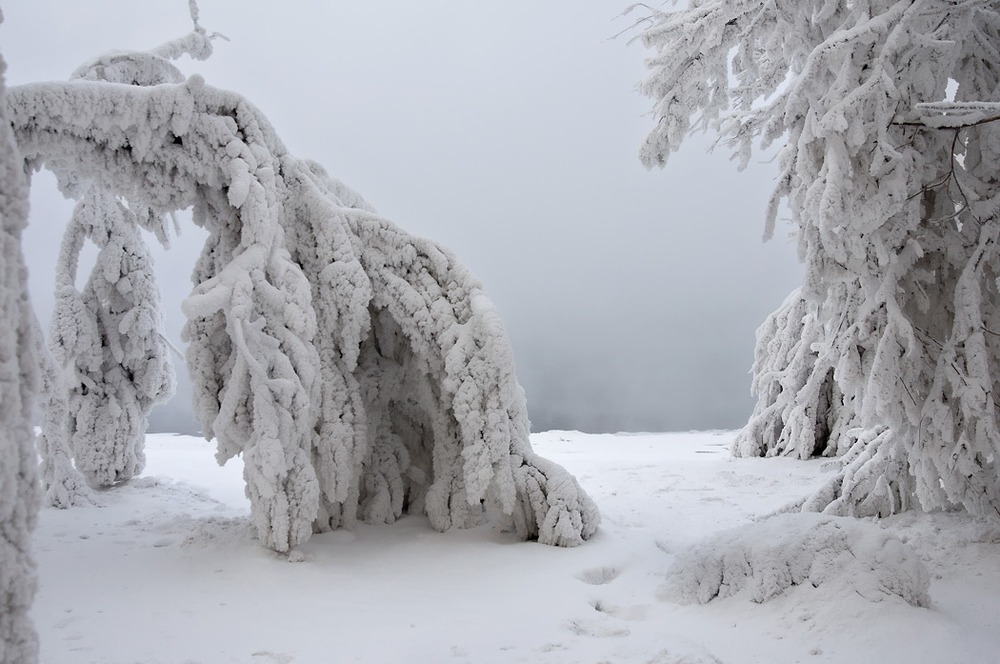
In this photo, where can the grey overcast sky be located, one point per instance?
(509, 132)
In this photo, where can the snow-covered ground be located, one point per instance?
(166, 571)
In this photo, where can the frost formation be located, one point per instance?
(360, 372)
(887, 115)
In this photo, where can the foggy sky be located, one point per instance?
(508, 132)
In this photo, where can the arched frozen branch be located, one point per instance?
(889, 353)
(359, 371)
(444, 346)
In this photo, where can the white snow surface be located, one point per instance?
(166, 570)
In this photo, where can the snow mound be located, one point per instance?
(762, 560)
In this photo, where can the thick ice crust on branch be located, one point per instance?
(18, 384)
(887, 114)
(359, 371)
(763, 560)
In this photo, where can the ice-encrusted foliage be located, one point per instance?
(359, 371)
(19, 382)
(887, 113)
(109, 341)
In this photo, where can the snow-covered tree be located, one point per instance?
(886, 112)
(19, 381)
(360, 372)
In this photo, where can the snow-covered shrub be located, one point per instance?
(762, 560)
(888, 114)
(359, 371)
(19, 382)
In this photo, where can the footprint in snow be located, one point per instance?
(628, 613)
(610, 617)
(265, 656)
(668, 657)
(600, 628)
(599, 576)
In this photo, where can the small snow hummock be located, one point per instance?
(762, 560)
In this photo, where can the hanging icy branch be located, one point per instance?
(263, 407)
(63, 483)
(889, 353)
(359, 371)
(109, 342)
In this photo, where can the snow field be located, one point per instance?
(167, 571)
